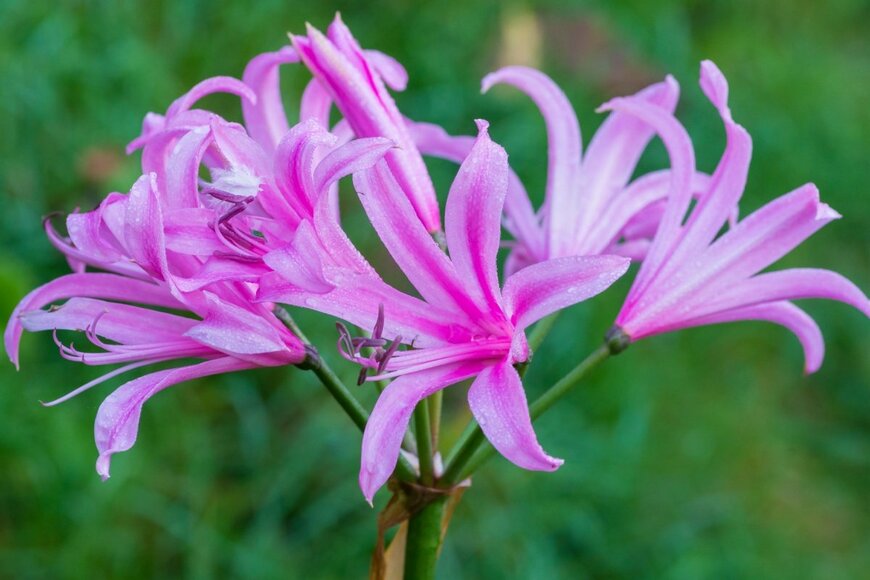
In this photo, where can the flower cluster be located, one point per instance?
(190, 270)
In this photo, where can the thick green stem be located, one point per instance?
(472, 449)
(424, 541)
(424, 441)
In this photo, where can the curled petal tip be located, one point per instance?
(103, 466)
(482, 126)
(714, 85)
(826, 212)
(487, 82)
(610, 105)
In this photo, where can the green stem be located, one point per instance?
(424, 441)
(568, 382)
(435, 402)
(424, 541)
(472, 449)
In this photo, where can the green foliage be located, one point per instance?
(701, 454)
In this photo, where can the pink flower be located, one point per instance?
(466, 325)
(355, 80)
(125, 237)
(691, 278)
(591, 205)
(189, 245)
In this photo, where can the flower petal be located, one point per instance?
(316, 103)
(472, 217)
(341, 66)
(121, 323)
(423, 263)
(265, 119)
(143, 231)
(117, 423)
(613, 153)
(792, 284)
(355, 156)
(682, 154)
(388, 422)
(520, 218)
(639, 197)
(543, 288)
(783, 313)
(94, 285)
(235, 331)
(728, 181)
(499, 405)
(564, 148)
(295, 159)
(208, 87)
(394, 74)
(769, 233)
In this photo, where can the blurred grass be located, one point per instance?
(704, 454)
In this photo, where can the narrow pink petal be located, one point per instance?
(769, 233)
(143, 233)
(614, 151)
(753, 244)
(117, 423)
(358, 92)
(545, 287)
(266, 120)
(316, 103)
(355, 156)
(792, 284)
(210, 86)
(191, 231)
(178, 176)
(107, 286)
(728, 181)
(295, 161)
(636, 199)
(499, 405)
(333, 239)
(418, 256)
(92, 256)
(388, 422)
(301, 262)
(564, 148)
(520, 218)
(235, 331)
(217, 269)
(682, 155)
(783, 313)
(473, 216)
(121, 323)
(91, 236)
(394, 74)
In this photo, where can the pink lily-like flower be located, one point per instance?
(125, 238)
(182, 243)
(692, 278)
(355, 80)
(591, 206)
(464, 326)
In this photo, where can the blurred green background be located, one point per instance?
(703, 454)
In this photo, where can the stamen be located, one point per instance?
(383, 350)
